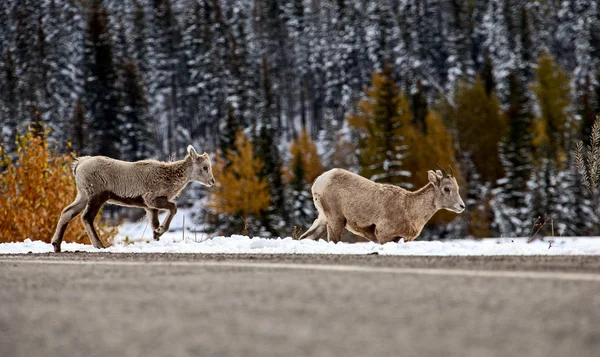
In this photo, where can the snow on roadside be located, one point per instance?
(172, 243)
(137, 238)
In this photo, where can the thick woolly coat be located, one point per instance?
(377, 212)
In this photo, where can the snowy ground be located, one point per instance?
(137, 238)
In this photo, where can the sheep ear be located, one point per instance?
(433, 177)
(192, 151)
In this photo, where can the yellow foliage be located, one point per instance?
(239, 188)
(34, 189)
(552, 89)
(427, 150)
(305, 149)
(480, 126)
(540, 137)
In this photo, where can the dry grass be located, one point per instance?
(35, 186)
(587, 160)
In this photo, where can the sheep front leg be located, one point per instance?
(152, 215)
(162, 203)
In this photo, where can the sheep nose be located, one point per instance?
(462, 206)
(211, 181)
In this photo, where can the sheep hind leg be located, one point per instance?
(335, 229)
(317, 230)
(90, 212)
(66, 216)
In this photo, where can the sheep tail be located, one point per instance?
(76, 163)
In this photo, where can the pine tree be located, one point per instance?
(512, 216)
(100, 88)
(381, 120)
(499, 57)
(77, 129)
(302, 214)
(419, 108)
(228, 134)
(138, 139)
(27, 60)
(267, 150)
(9, 104)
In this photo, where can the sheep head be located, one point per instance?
(201, 167)
(447, 194)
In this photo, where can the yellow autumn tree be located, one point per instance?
(303, 169)
(240, 190)
(35, 186)
(304, 149)
(480, 126)
(553, 93)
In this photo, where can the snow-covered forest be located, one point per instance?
(278, 91)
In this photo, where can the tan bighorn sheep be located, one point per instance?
(147, 184)
(379, 212)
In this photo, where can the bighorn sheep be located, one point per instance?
(147, 184)
(380, 213)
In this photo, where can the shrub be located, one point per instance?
(35, 186)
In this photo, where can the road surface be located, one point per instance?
(102, 304)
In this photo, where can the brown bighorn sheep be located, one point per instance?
(147, 184)
(380, 213)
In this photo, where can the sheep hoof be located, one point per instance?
(56, 247)
(158, 232)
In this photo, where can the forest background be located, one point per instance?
(279, 91)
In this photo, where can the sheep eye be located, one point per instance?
(447, 189)
(205, 168)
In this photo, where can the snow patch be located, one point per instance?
(173, 242)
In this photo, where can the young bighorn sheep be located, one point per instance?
(147, 184)
(380, 213)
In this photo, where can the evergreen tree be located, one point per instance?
(302, 213)
(8, 104)
(228, 134)
(77, 129)
(381, 121)
(27, 60)
(419, 108)
(138, 139)
(512, 216)
(267, 150)
(100, 87)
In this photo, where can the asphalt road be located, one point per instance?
(101, 304)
